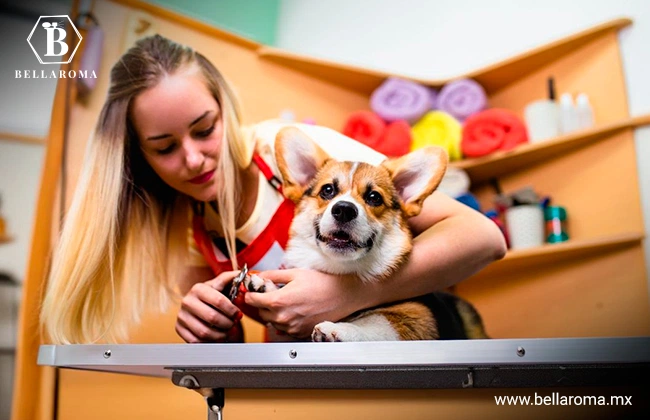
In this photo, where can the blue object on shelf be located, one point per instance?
(469, 200)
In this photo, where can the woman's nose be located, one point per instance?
(194, 157)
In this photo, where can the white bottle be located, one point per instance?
(542, 119)
(584, 111)
(568, 114)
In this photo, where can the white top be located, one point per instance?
(269, 199)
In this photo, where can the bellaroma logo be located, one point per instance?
(51, 39)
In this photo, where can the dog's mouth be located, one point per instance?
(341, 240)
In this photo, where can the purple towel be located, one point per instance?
(399, 99)
(462, 98)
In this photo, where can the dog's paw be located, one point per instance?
(255, 283)
(335, 332)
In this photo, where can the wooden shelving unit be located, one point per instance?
(550, 254)
(492, 77)
(24, 138)
(500, 163)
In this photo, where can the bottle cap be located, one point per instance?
(582, 99)
(555, 212)
(566, 99)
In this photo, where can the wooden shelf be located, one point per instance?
(24, 138)
(500, 163)
(492, 77)
(6, 239)
(550, 254)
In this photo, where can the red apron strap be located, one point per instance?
(267, 172)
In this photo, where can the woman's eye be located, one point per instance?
(167, 150)
(327, 192)
(205, 133)
(373, 198)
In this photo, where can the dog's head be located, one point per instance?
(351, 216)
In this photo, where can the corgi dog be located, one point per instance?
(351, 218)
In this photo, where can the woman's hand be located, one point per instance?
(308, 298)
(206, 314)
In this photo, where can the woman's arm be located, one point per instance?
(452, 242)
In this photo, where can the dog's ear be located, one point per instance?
(299, 158)
(416, 175)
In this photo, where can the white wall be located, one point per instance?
(436, 39)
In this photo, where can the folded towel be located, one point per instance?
(438, 128)
(368, 128)
(396, 140)
(491, 130)
(399, 99)
(365, 127)
(462, 98)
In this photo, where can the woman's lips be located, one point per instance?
(203, 178)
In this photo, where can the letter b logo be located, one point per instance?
(55, 35)
(52, 38)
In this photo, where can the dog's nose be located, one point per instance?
(344, 211)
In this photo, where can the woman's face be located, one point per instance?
(180, 130)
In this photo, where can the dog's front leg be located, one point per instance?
(255, 283)
(366, 327)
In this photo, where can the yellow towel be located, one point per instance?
(438, 128)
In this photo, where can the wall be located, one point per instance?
(253, 19)
(446, 39)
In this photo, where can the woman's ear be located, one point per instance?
(299, 158)
(416, 176)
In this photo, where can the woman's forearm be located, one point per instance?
(448, 252)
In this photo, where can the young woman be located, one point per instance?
(175, 195)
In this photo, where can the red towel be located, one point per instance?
(491, 130)
(368, 128)
(396, 140)
(365, 127)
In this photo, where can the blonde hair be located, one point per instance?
(123, 246)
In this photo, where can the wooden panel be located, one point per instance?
(603, 296)
(594, 69)
(159, 399)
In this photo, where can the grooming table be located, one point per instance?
(511, 363)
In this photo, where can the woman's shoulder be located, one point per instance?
(334, 143)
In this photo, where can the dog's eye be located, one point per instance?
(327, 192)
(373, 198)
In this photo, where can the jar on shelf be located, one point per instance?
(556, 231)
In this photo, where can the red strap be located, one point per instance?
(267, 172)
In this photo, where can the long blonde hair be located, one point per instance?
(123, 246)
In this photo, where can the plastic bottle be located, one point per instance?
(584, 111)
(543, 116)
(568, 114)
